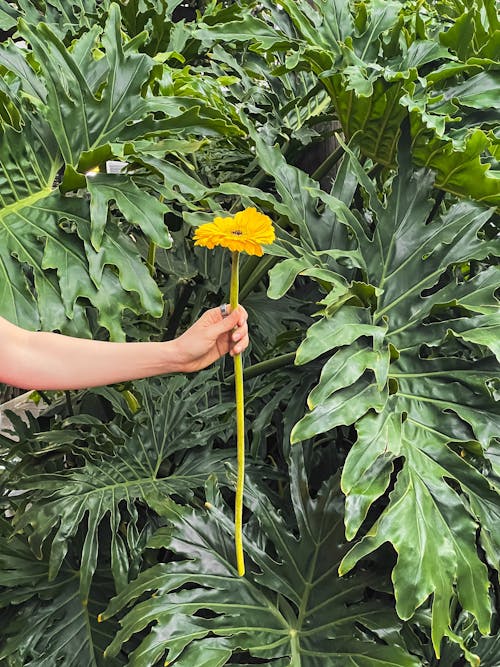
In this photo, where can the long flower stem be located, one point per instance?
(240, 427)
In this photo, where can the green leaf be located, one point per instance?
(63, 17)
(419, 508)
(429, 401)
(133, 203)
(474, 30)
(281, 609)
(488, 650)
(174, 417)
(48, 623)
(328, 27)
(7, 15)
(369, 465)
(50, 233)
(345, 367)
(82, 122)
(342, 407)
(371, 74)
(477, 92)
(241, 29)
(459, 36)
(320, 232)
(461, 171)
(282, 276)
(422, 52)
(487, 335)
(347, 326)
(93, 102)
(10, 115)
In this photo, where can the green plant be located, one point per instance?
(418, 396)
(275, 611)
(374, 332)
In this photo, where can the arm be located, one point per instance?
(45, 360)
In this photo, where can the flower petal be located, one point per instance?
(246, 232)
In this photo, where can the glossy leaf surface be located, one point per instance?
(291, 605)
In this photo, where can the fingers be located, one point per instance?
(240, 345)
(242, 316)
(225, 311)
(234, 324)
(232, 327)
(237, 318)
(239, 337)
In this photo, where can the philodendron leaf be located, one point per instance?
(462, 170)
(347, 326)
(78, 106)
(175, 416)
(488, 649)
(426, 513)
(63, 17)
(45, 246)
(81, 120)
(282, 276)
(93, 102)
(474, 32)
(370, 64)
(411, 401)
(289, 609)
(48, 623)
(9, 112)
(139, 208)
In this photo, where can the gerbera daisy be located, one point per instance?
(246, 232)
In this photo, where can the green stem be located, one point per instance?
(266, 366)
(240, 427)
(328, 164)
(182, 298)
(151, 258)
(257, 274)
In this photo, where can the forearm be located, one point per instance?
(42, 360)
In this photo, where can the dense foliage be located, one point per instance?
(373, 494)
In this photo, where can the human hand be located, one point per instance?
(210, 337)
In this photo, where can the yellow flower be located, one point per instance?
(246, 232)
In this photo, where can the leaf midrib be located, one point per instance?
(19, 204)
(309, 584)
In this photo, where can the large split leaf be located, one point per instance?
(63, 16)
(48, 623)
(45, 247)
(473, 30)
(407, 368)
(290, 608)
(78, 107)
(389, 372)
(376, 67)
(488, 649)
(369, 94)
(148, 464)
(92, 102)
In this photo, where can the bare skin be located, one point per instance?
(43, 360)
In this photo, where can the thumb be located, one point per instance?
(227, 323)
